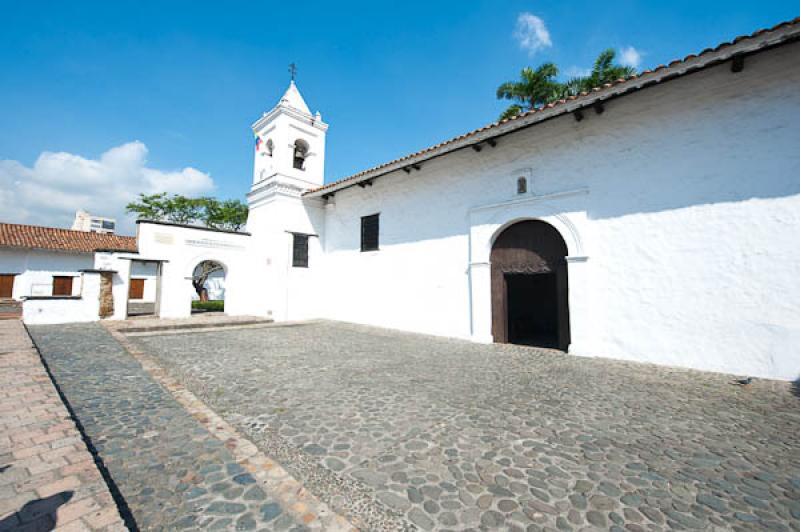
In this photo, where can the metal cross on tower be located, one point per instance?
(293, 71)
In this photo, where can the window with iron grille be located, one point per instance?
(300, 251)
(369, 232)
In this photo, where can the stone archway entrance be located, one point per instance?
(529, 286)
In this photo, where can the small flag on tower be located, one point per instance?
(258, 143)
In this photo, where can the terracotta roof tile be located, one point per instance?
(421, 155)
(38, 237)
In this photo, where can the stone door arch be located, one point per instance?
(529, 286)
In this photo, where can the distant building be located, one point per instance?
(93, 224)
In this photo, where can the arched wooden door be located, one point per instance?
(529, 286)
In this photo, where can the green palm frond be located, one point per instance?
(512, 111)
(538, 87)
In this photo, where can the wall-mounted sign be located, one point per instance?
(164, 238)
(209, 243)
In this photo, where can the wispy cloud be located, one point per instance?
(630, 56)
(531, 33)
(576, 72)
(58, 184)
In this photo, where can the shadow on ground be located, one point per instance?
(38, 514)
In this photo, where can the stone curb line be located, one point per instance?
(142, 331)
(274, 479)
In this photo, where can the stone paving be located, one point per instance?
(450, 435)
(171, 472)
(48, 478)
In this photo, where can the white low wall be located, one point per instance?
(65, 309)
(36, 269)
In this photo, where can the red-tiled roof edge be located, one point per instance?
(743, 44)
(25, 236)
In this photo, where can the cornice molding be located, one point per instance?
(275, 186)
(534, 198)
(288, 111)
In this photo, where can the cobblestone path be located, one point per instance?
(452, 435)
(171, 472)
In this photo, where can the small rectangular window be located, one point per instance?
(108, 224)
(369, 232)
(62, 285)
(300, 251)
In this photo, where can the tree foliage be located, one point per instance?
(534, 88)
(603, 71)
(211, 212)
(538, 87)
(225, 214)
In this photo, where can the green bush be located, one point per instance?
(216, 306)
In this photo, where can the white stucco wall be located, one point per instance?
(36, 269)
(680, 206)
(84, 307)
(286, 292)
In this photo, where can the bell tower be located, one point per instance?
(289, 159)
(289, 145)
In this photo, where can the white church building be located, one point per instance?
(654, 219)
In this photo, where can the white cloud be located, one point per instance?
(576, 72)
(531, 33)
(630, 56)
(58, 184)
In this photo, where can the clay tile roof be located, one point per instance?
(53, 238)
(631, 83)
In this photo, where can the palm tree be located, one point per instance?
(604, 71)
(534, 89)
(539, 87)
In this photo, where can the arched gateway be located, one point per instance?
(529, 286)
(208, 283)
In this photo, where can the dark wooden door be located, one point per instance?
(62, 285)
(525, 249)
(136, 290)
(6, 286)
(562, 290)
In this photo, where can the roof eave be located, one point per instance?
(758, 42)
(41, 248)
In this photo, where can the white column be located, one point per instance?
(481, 301)
(120, 287)
(580, 308)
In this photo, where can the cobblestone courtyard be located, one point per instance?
(170, 471)
(388, 428)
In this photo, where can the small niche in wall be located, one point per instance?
(522, 185)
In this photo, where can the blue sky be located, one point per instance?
(186, 80)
